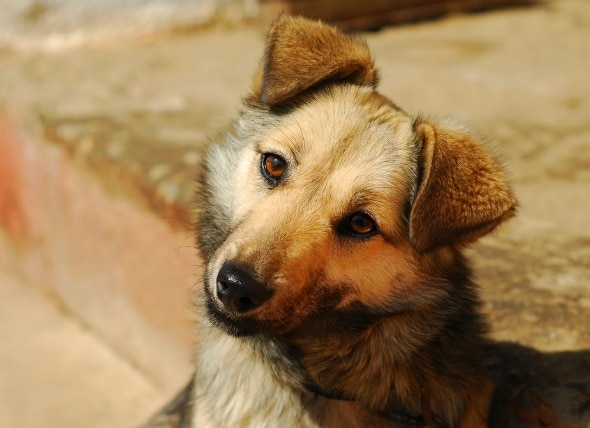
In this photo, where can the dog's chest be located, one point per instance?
(235, 388)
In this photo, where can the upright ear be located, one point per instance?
(301, 53)
(462, 193)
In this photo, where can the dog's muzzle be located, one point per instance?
(238, 290)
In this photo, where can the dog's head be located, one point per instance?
(326, 196)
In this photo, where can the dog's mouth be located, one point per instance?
(276, 314)
(291, 323)
(261, 320)
(241, 305)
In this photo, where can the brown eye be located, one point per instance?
(358, 225)
(361, 223)
(273, 168)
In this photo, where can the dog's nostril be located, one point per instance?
(238, 290)
(245, 304)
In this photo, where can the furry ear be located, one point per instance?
(301, 53)
(462, 194)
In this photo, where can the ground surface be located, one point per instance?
(519, 76)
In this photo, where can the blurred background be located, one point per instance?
(103, 109)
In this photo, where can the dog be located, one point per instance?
(332, 224)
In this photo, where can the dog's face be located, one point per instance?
(327, 197)
(317, 211)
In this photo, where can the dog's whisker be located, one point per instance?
(342, 358)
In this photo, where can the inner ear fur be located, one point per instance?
(301, 53)
(462, 194)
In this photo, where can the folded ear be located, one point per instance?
(462, 193)
(301, 53)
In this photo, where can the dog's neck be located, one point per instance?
(396, 378)
(245, 377)
(388, 383)
(387, 369)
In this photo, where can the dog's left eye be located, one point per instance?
(273, 167)
(358, 225)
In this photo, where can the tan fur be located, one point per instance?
(374, 331)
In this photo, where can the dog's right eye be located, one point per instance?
(273, 168)
(358, 225)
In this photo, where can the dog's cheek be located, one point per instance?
(294, 308)
(374, 272)
(248, 187)
(215, 193)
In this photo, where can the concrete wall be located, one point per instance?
(59, 24)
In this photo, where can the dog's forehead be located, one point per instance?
(351, 134)
(344, 122)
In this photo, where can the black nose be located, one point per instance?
(238, 290)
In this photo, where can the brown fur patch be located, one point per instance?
(463, 193)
